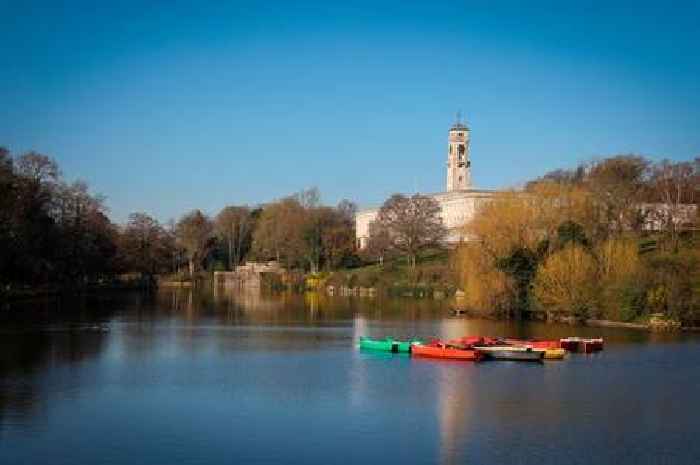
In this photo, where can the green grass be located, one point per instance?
(432, 273)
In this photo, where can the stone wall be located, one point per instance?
(248, 275)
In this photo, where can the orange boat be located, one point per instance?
(439, 349)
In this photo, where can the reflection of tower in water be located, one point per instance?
(358, 372)
(455, 396)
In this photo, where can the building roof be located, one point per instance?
(459, 127)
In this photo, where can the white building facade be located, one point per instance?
(460, 201)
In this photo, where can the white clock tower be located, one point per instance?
(459, 171)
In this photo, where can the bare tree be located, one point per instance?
(618, 184)
(674, 185)
(146, 245)
(379, 244)
(194, 232)
(37, 167)
(308, 198)
(348, 210)
(233, 225)
(413, 224)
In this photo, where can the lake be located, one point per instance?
(182, 377)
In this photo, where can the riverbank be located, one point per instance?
(432, 277)
(19, 293)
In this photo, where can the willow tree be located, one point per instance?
(412, 223)
(566, 282)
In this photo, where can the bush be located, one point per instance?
(566, 283)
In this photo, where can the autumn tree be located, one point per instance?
(279, 231)
(194, 234)
(233, 226)
(413, 224)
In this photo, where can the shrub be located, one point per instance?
(566, 283)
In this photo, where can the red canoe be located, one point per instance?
(442, 350)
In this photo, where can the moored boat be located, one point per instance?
(579, 344)
(439, 349)
(514, 353)
(386, 345)
(553, 354)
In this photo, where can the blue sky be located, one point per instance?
(180, 105)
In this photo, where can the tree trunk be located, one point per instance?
(191, 266)
(230, 258)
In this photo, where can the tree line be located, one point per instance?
(57, 233)
(50, 230)
(614, 238)
(297, 231)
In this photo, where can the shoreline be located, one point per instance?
(27, 295)
(616, 324)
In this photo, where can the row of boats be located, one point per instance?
(476, 348)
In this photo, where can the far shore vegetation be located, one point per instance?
(612, 239)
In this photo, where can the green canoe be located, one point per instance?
(387, 345)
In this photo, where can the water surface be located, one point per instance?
(225, 377)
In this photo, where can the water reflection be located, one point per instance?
(224, 359)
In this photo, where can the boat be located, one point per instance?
(387, 345)
(551, 348)
(580, 344)
(439, 349)
(553, 354)
(515, 353)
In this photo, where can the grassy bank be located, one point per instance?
(433, 276)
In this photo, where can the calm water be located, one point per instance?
(183, 378)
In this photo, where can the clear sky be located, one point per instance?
(182, 105)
